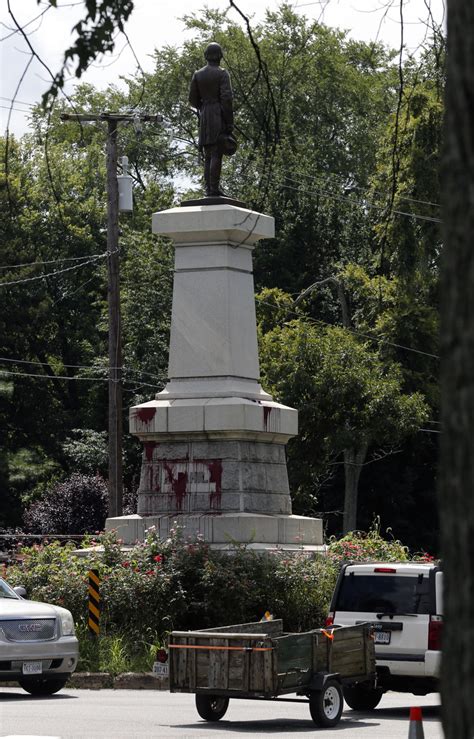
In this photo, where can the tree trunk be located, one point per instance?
(456, 479)
(353, 461)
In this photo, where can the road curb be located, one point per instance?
(102, 680)
(124, 681)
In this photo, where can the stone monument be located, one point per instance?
(214, 441)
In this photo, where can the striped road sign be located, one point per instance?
(94, 602)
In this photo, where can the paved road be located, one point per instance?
(147, 714)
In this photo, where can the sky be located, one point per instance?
(155, 23)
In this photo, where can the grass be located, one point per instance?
(113, 653)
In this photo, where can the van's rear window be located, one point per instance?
(384, 594)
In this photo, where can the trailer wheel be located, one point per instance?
(360, 698)
(211, 707)
(326, 705)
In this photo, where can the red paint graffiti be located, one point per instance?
(178, 485)
(215, 476)
(149, 447)
(145, 415)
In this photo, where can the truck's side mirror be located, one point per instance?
(19, 590)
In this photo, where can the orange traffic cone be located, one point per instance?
(416, 724)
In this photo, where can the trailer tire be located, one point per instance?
(361, 698)
(325, 705)
(211, 707)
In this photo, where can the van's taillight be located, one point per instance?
(385, 569)
(435, 630)
(329, 619)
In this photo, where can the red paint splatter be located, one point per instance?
(145, 415)
(178, 484)
(215, 476)
(149, 449)
(266, 413)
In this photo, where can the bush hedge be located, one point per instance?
(158, 586)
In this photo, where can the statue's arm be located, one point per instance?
(194, 96)
(226, 97)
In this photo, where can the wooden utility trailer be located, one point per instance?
(260, 661)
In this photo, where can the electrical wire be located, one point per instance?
(51, 274)
(348, 198)
(51, 261)
(82, 366)
(308, 319)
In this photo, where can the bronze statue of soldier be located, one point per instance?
(211, 95)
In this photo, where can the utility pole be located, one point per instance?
(113, 263)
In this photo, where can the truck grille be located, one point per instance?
(28, 630)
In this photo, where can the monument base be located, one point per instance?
(222, 532)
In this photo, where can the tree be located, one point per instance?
(53, 325)
(457, 378)
(348, 402)
(76, 506)
(96, 34)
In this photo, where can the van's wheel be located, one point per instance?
(42, 685)
(211, 707)
(361, 698)
(326, 705)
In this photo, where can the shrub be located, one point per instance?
(76, 506)
(159, 585)
(363, 546)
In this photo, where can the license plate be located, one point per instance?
(160, 669)
(32, 668)
(382, 637)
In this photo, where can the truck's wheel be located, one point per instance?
(326, 705)
(211, 707)
(43, 685)
(361, 698)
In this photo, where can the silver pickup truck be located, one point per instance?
(38, 646)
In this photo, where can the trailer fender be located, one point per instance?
(319, 679)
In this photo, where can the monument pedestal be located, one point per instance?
(214, 441)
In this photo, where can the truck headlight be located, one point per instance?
(67, 622)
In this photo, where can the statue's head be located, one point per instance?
(213, 52)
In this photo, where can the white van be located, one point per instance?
(403, 602)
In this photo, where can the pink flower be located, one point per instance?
(125, 564)
(157, 558)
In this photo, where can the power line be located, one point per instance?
(20, 102)
(308, 319)
(51, 261)
(364, 189)
(69, 378)
(82, 366)
(53, 377)
(52, 274)
(364, 203)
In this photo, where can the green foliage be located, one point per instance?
(76, 506)
(181, 584)
(96, 34)
(86, 451)
(360, 546)
(321, 150)
(113, 653)
(346, 397)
